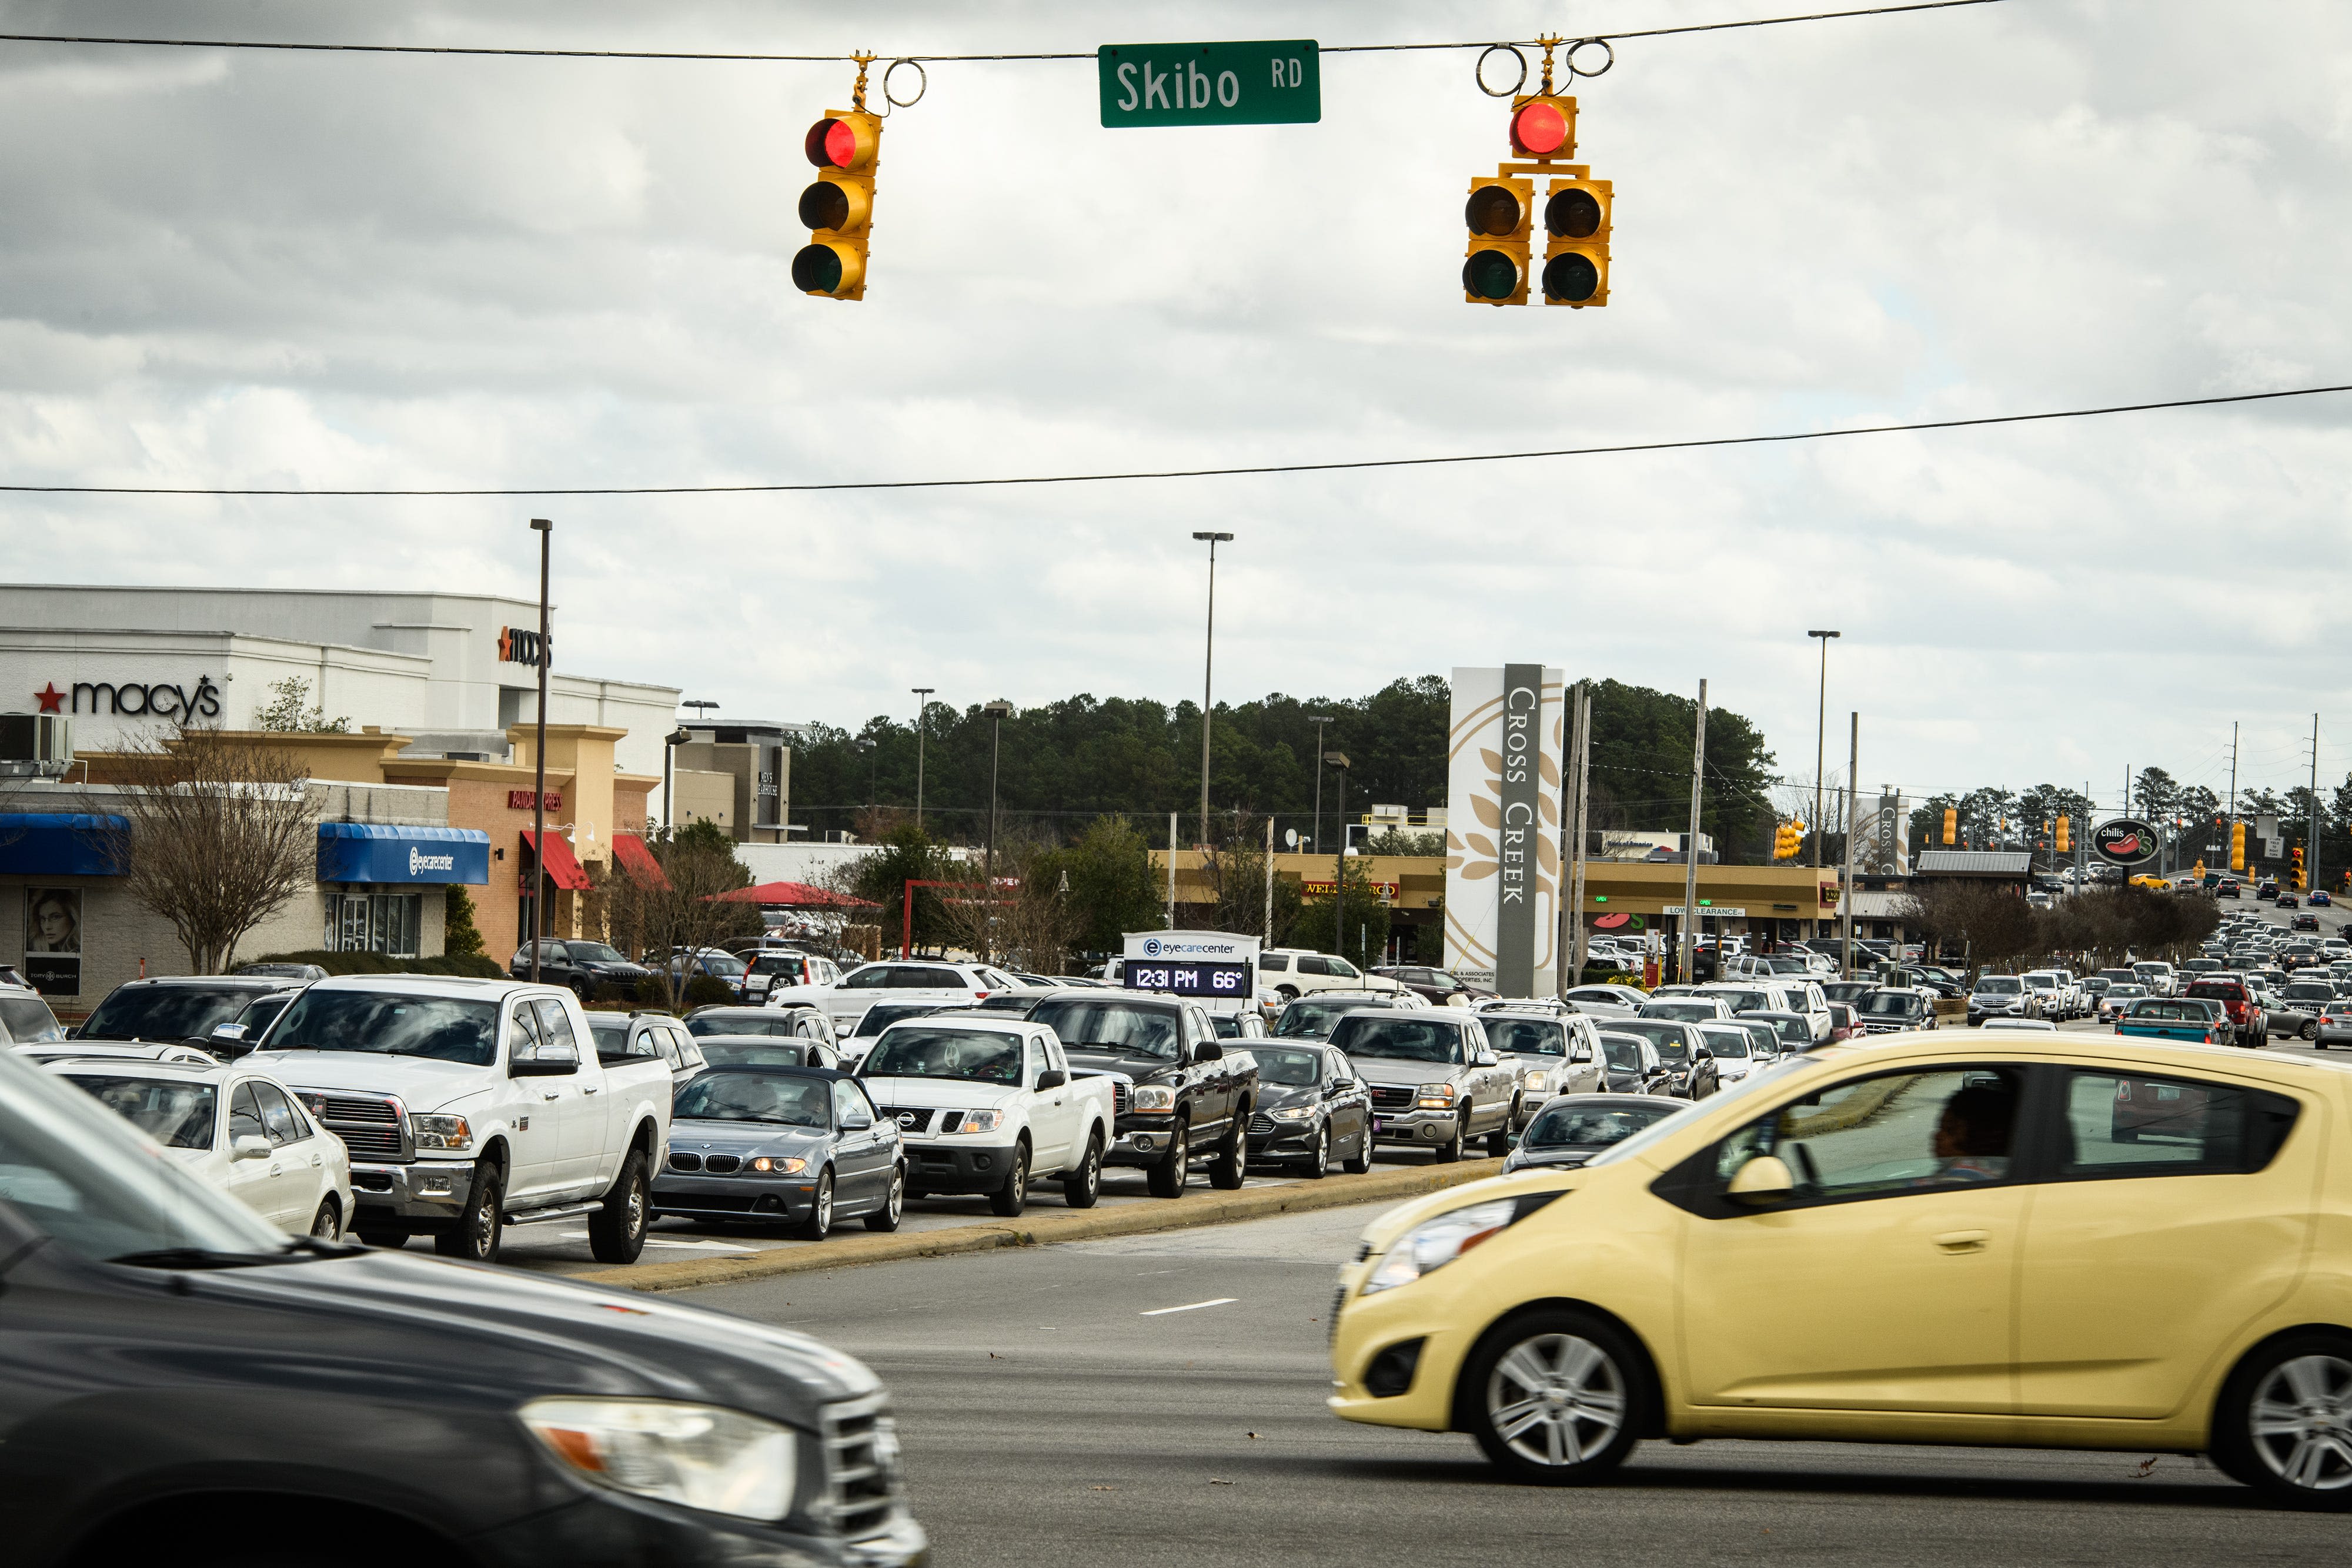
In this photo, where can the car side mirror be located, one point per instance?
(542, 1067)
(856, 1122)
(1343, 1086)
(1762, 1180)
(228, 1033)
(1052, 1078)
(1701, 1053)
(1488, 1058)
(1208, 1050)
(249, 1146)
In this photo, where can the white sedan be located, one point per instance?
(238, 1127)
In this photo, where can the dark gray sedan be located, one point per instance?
(1570, 1129)
(1312, 1109)
(795, 1145)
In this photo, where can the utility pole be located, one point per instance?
(1208, 669)
(922, 709)
(1319, 721)
(996, 712)
(1269, 881)
(546, 531)
(2233, 785)
(1583, 809)
(1821, 732)
(1686, 946)
(1339, 759)
(2311, 839)
(1853, 809)
(1171, 873)
(1570, 909)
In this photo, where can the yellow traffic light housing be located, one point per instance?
(2062, 847)
(2294, 858)
(844, 147)
(1951, 825)
(1788, 840)
(1576, 253)
(2238, 846)
(1543, 125)
(1500, 215)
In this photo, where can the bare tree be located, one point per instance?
(682, 908)
(221, 834)
(1029, 920)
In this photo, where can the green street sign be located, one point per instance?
(1264, 83)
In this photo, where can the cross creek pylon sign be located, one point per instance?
(1502, 827)
(1261, 83)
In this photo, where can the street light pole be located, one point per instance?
(1319, 721)
(546, 531)
(922, 709)
(1339, 759)
(1208, 668)
(1820, 741)
(996, 712)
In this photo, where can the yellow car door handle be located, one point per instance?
(1962, 1241)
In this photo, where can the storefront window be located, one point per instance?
(387, 923)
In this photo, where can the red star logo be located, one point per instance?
(49, 698)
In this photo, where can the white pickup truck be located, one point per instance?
(987, 1106)
(468, 1105)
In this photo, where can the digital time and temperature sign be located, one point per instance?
(1186, 976)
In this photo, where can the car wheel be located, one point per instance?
(1360, 1162)
(819, 1223)
(616, 1233)
(1083, 1186)
(893, 1205)
(1450, 1151)
(1166, 1179)
(1230, 1166)
(475, 1236)
(1013, 1196)
(1498, 1142)
(1287, 993)
(326, 1225)
(1318, 1155)
(2311, 1030)
(1552, 1399)
(375, 1236)
(2284, 1423)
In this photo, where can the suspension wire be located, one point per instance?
(759, 57)
(1689, 444)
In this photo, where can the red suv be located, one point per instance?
(2253, 1023)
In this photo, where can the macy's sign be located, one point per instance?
(133, 701)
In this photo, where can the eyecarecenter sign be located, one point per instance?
(2125, 841)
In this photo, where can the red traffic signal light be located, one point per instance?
(1544, 127)
(1500, 217)
(844, 147)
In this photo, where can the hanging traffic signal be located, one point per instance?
(1543, 125)
(2295, 862)
(1576, 254)
(1788, 840)
(844, 146)
(2063, 846)
(1951, 825)
(2237, 846)
(1500, 215)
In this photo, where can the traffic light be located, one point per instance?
(1788, 840)
(2237, 846)
(844, 146)
(2295, 862)
(1501, 215)
(2199, 871)
(1576, 254)
(1543, 125)
(1951, 825)
(2063, 846)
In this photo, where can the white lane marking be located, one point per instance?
(1189, 1307)
(663, 1241)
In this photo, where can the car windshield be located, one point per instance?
(1624, 1055)
(2305, 991)
(175, 1112)
(1593, 1126)
(29, 1021)
(1311, 1019)
(750, 1021)
(1665, 1035)
(778, 964)
(747, 1094)
(753, 1054)
(1398, 1037)
(920, 1051)
(1999, 986)
(611, 1030)
(882, 1015)
(1742, 1001)
(596, 953)
(1288, 1065)
(1126, 1028)
(447, 1028)
(1229, 1026)
(1725, 1041)
(1788, 966)
(725, 966)
(1684, 1012)
(1526, 1037)
(1793, 1030)
(1890, 1004)
(165, 1012)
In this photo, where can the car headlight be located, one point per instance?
(1293, 1114)
(1539, 1082)
(440, 1132)
(1152, 1097)
(767, 1163)
(700, 1456)
(982, 1122)
(1434, 1243)
(1436, 1096)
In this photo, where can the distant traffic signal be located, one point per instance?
(2237, 846)
(844, 146)
(2062, 847)
(1788, 840)
(1951, 825)
(2295, 862)
(1501, 215)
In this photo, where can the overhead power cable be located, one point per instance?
(1129, 475)
(754, 57)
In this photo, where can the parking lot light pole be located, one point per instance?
(1339, 759)
(1318, 720)
(922, 707)
(996, 712)
(546, 532)
(1208, 668)
(1820, 740)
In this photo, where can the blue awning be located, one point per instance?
(366, 852)
(59, 843)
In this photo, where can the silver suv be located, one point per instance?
(1435, 1079)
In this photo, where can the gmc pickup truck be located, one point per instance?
(1180, 1094)
(987, 1104)
(468, 1105)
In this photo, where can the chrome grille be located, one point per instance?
(722, 1164)
(372, 1127)
(861, 1467)
(1393, 1096)
(681, 1160)
(1118, 1098)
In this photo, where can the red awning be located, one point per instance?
(794, 895)
(638, 861)
(563, 870)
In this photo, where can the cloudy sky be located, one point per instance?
(304, 269)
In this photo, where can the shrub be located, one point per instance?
(653, 992)
(708, 991)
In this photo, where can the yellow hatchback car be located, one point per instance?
(1975, 1239)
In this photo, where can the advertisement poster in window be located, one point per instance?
(53, 940)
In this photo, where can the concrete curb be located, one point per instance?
(1084, 1225)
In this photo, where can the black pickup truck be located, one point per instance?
(1184, 1096)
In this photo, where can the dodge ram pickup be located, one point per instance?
(1181, 1094)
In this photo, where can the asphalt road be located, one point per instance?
(1158, 1400)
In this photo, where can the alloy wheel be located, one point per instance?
(2301, 1422)
(1556, 1399)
